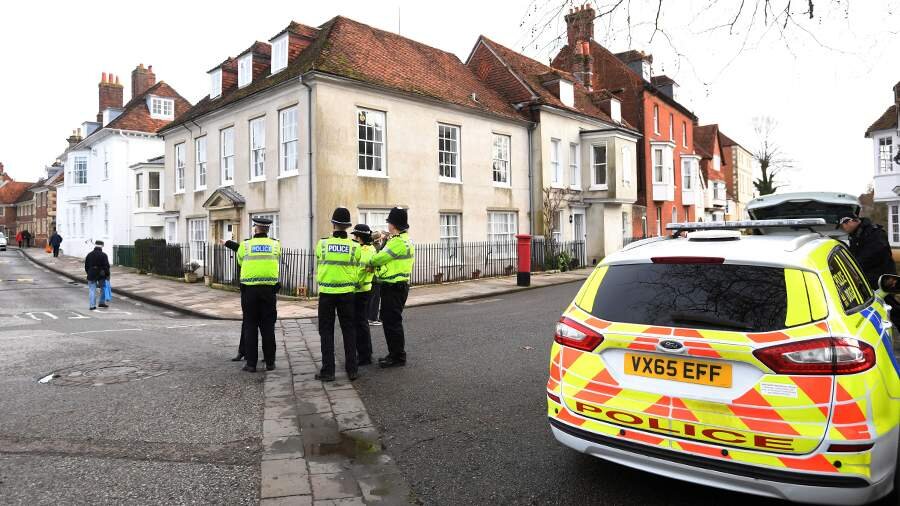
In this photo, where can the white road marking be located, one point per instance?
(186, 326)
(33, 317)
(107, 330)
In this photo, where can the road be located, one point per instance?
(145, 408)
(466, 419)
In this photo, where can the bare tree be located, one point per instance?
(553, 201)
(769, 155)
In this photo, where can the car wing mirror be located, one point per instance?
(889, 283)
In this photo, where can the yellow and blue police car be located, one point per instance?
(756, 363)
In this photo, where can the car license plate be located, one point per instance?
(700, 372)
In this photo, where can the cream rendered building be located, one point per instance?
(326, 116)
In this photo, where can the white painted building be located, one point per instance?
(97, 198)
(885, 135)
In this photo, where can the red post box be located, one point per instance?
(523, 249)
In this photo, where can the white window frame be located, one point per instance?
(376, 219)
(555, 168)
(369, 120)
(687, 174)
(596, 165)
(215, 83)
(106, 219)
(80, 170)
(171, 231)
(625, 169)
(659, 165)
(894, 222)
(658, 221)
(448, 153)
(575, 165)
(885, 155)
(139, 190)
(245, 70)
(105, 163)
(198, 231)
(556, 232)
(200, 163)
(226, 138)
(273, 229)
(157, 190)
(656, 119)
(450, 229)
(162, 108)
(257, 143)
(672, 127)
(575, 213)
(179, 167)
(684, 133)
(501, 151)
(279, 53)
(502, 228)
(288, 142)
(717, 162)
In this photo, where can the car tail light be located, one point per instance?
(573, 334)
(687, 260)
(852, 448)
(827, 355)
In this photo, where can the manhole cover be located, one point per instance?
(105, 373)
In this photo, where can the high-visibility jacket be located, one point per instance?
(259, 258)
(396, 259)
(337, 260)
(366, 274)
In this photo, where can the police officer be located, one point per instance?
(259, 258)
(363, 235)
(337, 259)
(870, 247)
(395, 261)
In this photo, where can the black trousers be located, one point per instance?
(374, 302)
(342, 304)
(393, 299)
(361, 325)
(258, 305)
(55, 251)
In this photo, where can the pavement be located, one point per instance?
(199, 300)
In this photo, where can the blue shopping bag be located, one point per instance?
(107, 291)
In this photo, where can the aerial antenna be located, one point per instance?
(398, 19)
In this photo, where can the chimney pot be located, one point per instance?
(103, 77)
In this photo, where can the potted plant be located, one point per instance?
(190, 272)
(438, 277)
(476, 274)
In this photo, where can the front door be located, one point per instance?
(578, 229)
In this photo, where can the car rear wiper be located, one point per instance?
(695, 317)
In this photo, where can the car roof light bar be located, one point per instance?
(734, 225)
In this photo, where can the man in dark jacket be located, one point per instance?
(55, 241)
(870, 247)
(96, 266)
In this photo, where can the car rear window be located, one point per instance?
(743, 298)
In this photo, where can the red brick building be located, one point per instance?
(45, 205)
(10, 192)
(668, 168)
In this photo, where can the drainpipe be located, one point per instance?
(309, 127)
(531, 179)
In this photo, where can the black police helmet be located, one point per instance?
(398, 218)
(341, 216)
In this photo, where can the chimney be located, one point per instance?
(110, 93)
(74, 139)
(229, 75)
(897, 94)
(580, 30)
(142, 79)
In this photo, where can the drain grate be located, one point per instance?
(105, 373)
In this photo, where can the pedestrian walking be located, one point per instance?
(363, 235)
(378, 240)
(259, 258)
(337, 260)
(96, 266)
(395, 261)
(26, 237)
(870, 247)
(55, 242)
(19, 238)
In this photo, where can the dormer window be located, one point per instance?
(215, 83)
(566, 93)
(245, 70)
(161, 108)
(279, 53)
(615, 110)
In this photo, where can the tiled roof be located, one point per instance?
(25, 196)
(887, 121)
(350, 49)
(535, 73)
(705, 140)
(136, 115)
(11, 191)
(724, 140)
(633, 55)
(661, 80)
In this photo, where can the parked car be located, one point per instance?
(2, 241)
(761, 364)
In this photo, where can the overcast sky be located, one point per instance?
(824, 88)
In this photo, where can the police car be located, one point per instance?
(756, 363)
